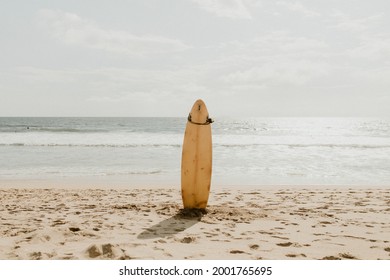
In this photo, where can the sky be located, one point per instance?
(244, 58)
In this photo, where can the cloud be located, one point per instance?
(345, 22)
(282, 42)
(371, 48)
(368, 47)
(234, 9)
(112, 84)
(74, 30)
(280, 71)
(298, 7)
(273, 60)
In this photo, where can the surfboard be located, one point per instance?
(196, 163)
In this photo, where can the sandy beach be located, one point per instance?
(147, 223)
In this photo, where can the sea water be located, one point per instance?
(246, 152)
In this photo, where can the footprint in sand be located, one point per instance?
(237, 252)
(295, 255)
(36, 256)
(188, 239)
(331, 258)
(74, 229)
(286, 244)
(106, 251)
(340, 257)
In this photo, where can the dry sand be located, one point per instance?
(295, 223)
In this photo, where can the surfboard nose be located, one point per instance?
(199, 103)
(199, 113)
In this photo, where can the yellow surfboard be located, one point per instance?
(196, 163)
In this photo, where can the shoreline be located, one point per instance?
(90, 182)
(146, 223)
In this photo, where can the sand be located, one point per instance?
(266, 223)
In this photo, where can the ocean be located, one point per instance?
(147, 151)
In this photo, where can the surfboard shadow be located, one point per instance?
(168, 227)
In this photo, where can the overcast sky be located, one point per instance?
(260, 58)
